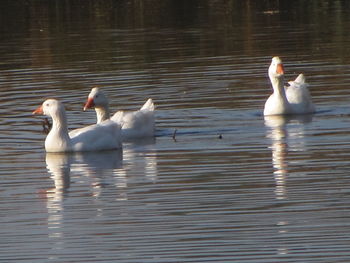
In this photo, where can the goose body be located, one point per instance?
(136, 124)
(294, 99)
(103, 136)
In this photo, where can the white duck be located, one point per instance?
(294, 99)
(103, 136)
(136, 124)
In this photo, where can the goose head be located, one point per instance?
(50, 107)
(96, 99)
(276, 69)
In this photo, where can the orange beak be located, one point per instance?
(39, 110)
(280, 69)
(89, 104)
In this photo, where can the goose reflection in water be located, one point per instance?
(284, 139)
(137, 160)
(58, 166)
(141, 159)
(102, 169)
(98, 168)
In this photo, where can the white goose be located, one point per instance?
(103, 136)
(294, 99)
(136, 124)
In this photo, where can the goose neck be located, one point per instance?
(102, 113)
(278, 86)
(59, 121)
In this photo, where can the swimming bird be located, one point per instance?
(135, 124)
(294, 99)
(103, 136)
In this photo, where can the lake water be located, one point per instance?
(230, 186)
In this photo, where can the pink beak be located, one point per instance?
(89, 104)
(39, 110)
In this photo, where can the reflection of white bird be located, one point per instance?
(98, 167)
(136, 124)
(279, 148)
(102, 136)
(100, 160)
(140, 159)
(284, 140)
(58, 165)
(294, 99)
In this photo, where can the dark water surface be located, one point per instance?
(231, 186)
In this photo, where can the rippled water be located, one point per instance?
(219, 183)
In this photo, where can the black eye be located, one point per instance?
(96, 96)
